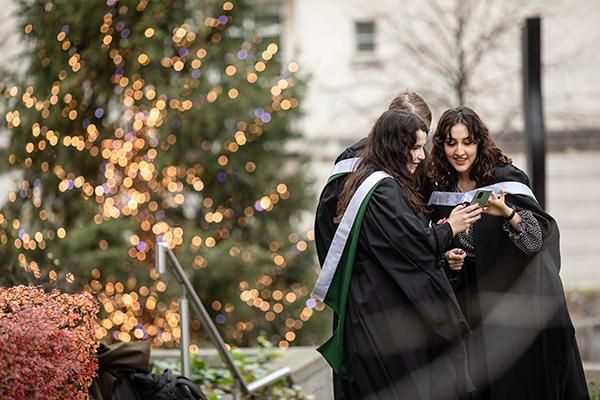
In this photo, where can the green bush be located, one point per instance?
(217, 383)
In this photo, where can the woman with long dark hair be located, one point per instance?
(327, 207)
(399, 332)
(507, 282)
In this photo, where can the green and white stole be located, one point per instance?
(454, 198)
(343, 167)
(333, 283)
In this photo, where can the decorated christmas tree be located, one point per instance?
(136, 121)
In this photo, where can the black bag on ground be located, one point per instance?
(124, 374)
(148, 386)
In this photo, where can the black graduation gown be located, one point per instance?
(523, 342)
(403, 336)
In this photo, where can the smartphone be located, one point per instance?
(481, 197)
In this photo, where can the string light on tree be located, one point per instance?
(135, 123)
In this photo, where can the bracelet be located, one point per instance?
(512, 214)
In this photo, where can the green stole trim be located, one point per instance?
(337, 296)
(335, 176)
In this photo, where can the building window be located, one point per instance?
(365, 36)
(266, 19)
(269, 14)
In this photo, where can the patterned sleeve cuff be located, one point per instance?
(527, 235)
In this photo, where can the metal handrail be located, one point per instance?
(163, 255)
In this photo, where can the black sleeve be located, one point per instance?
(393, 226)
(326, 211)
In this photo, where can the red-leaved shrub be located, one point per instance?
(47, 344)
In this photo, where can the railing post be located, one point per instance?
(184, 323)
(161, 258)
(237, 394)
(164, 255)
(209, 326)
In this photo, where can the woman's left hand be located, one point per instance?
(496, 205)
(456, 259)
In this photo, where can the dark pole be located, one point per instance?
(533, 113)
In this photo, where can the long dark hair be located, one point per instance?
(489, 156)
(414, 103)
(388, 149)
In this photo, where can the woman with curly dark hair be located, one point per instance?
(506, 273)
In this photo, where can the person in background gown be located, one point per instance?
(327, 206)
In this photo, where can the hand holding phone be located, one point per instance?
(481, 197)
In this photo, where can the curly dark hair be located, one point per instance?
(388, 149)
(489, 156)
